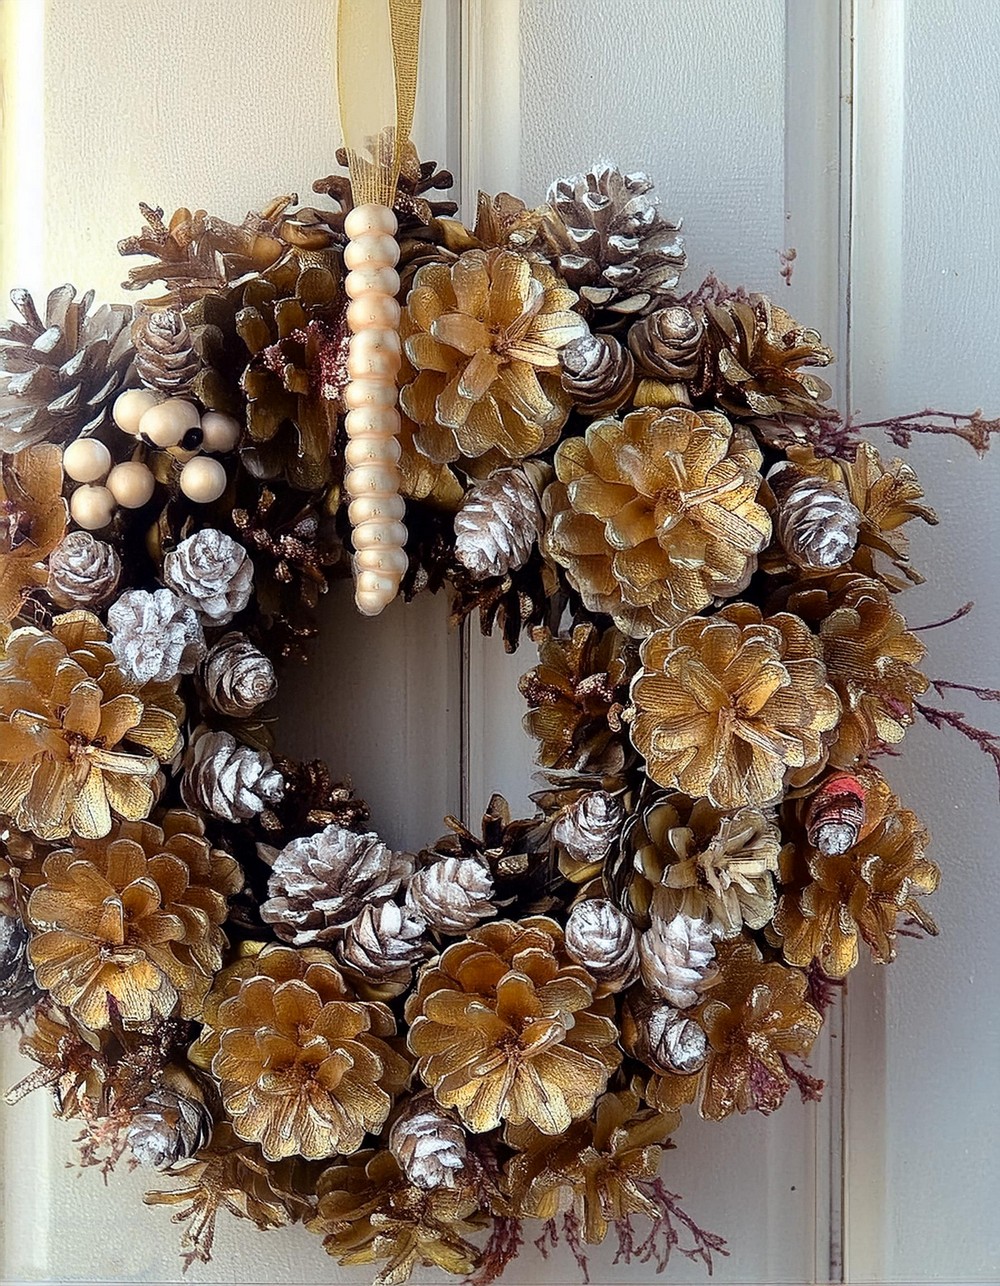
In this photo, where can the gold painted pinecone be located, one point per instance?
(484, 336)
(668, 343)
(368, 1212)
(78, 740)
(575, 695)
(19, 993)
(507, 1027)
(708, 863)
(59, 376)
(134, 919)
(598, 374)
(32, 522)
(604, 941)
(165, 357)
(726, 704)
(757, 363)
(429, 1144)
(302, 1066)
(611, 242)
(655, 515)
(500, 521)
(599, 1169)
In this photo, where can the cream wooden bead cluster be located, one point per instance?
(103, 487)
(376, 509)
(175, 425)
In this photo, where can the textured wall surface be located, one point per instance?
(764, 133)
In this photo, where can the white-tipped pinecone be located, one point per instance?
(817, 524)
(211, 573)
(19, 992)
(588, 827)
(83, 571)
(154, 636)
(603, 940)
(429, 1144)
(598, 373)
(677, 958)
(452, 895)
(168, 1127)
(499, 523)
(165, 357)
(382, 944)
(321, 883)
(228, 780)
(238, 676)
(661, 1037)
(611, 242)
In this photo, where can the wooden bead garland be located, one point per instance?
(373, 362)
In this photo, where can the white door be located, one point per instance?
(862, 135)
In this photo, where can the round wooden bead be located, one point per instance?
(374, 354)
(221, 432)
(131, 484)
(86, 460)
(372, 250)
(368, 392)
(165, 424)
(370, 218)
(372, 535)
(379, 281)
(373, 311)
(378, 421)
(372, 480)
(203, 480)
(375, 509)
(92, 507)
(131, 406)
(371, 450)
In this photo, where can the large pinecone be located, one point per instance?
(500, 521)
(18, 990)
(165, 357)
(226, 779)
(58, 376)
(611, 243)
(321, 883)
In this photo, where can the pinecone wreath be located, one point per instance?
(217, 962)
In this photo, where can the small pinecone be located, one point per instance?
(238, 677)
(83, 572)
(154, 636)
(165, 359)
(429, 1144)
(58, 377)
(611, 243)
(452, 895)
(19, 992)
(588, 827)
(598, 374)
(817, 524)
(321, 883)
(498, 524)
(676, 958)
(667, 344)
(662, 1038)
(212, 573)
(230, 781)
(382, 945)
(167, 1127)
(603, 940)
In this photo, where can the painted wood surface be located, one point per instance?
(863, 135)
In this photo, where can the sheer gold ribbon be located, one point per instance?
(377, 44)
